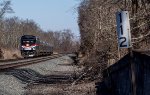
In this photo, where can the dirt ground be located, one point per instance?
(62, 89)
(60, 65)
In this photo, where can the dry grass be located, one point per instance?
(10, 54)
(83, 89)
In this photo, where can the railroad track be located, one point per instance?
(28, 62)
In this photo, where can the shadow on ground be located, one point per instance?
(31, 76)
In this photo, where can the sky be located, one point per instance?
(52, 15)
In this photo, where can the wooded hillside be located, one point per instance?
(97, 22)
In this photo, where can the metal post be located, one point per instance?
(119, 54)
(133, 74)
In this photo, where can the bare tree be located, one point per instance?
(97, 23)
(5, 8)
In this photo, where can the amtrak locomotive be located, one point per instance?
(32, 46)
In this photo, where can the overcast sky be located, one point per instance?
(49, 14)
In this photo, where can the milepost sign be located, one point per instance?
(123, 29)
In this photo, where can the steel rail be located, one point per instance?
(28, 62)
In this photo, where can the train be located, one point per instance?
(32, 46)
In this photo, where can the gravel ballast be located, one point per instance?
(9, 85)
(62, 65)
(18, 81)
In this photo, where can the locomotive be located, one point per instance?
(32, 46)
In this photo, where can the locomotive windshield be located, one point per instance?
(28, 41)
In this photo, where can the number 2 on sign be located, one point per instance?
(123, 40)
